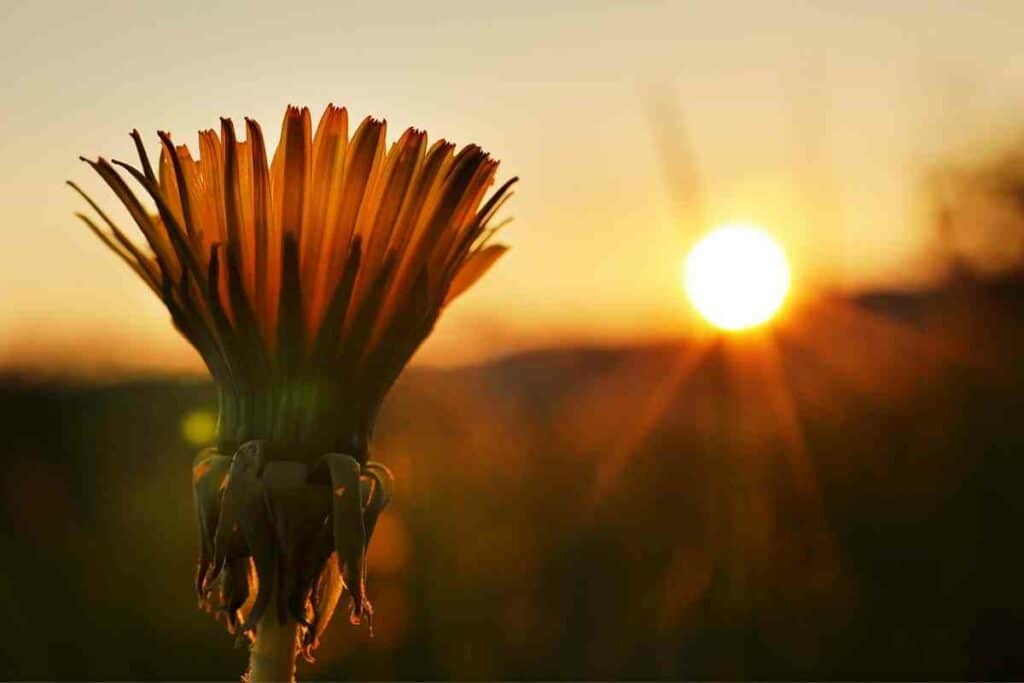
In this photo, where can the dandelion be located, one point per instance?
(305, 285)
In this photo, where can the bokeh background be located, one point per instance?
(590, 483)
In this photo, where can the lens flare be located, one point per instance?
(199, 427)
(736, 277)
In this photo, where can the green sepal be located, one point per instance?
(380, 495)
(297, 512)
(349, 532)
(209, 470)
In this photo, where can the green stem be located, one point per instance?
(272, 657)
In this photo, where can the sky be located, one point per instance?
(635, 127)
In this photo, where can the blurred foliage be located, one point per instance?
(978, 211)
(836, 501)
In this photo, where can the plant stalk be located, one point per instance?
(272, 656)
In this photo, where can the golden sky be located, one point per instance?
(813, 119)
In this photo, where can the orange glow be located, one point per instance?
(597, 236)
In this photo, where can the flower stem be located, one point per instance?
(272, 657)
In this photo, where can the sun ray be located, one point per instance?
(890, 357)
(639, 423)
(775, 516)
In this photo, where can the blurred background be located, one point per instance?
(591, 483)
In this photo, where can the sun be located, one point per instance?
(737, 277)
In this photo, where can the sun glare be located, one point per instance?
(736, 277)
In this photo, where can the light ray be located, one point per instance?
(887, 357)
(642, 421)
(674, 148)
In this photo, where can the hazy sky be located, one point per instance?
(814, 119)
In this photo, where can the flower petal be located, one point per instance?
(474, 268)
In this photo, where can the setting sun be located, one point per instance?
(736, 277)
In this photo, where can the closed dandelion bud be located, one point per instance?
(305, 284)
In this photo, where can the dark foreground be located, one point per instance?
(842, 501)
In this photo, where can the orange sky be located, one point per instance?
(814, 119)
